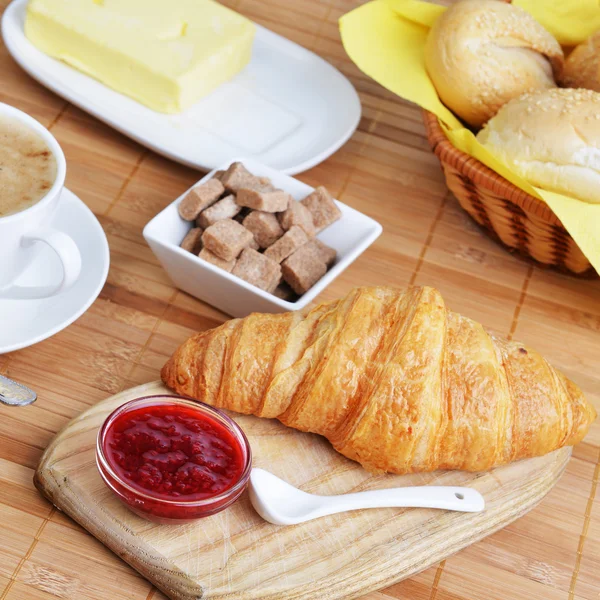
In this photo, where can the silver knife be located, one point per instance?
(15, 394)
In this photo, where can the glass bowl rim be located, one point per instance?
(201, 407)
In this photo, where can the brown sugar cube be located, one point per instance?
(199, 197)
(265, 200)
(297, 214)
(213, 259)
(322, 208)
(226, 239)
(303, 269)
(287, 244)
(325, 253)
(285, 292)
(254, 244)
(192, 242)
(226, 208)
(257, 269)
(237, 177)
(264, 226)
(218, 175)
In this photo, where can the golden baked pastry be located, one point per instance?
(393, 379)
(482, 53)
(582, 67)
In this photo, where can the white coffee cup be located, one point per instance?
(22, 234)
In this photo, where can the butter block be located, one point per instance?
(164, 54)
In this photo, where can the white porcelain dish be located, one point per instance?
(27, 322)
(288, 108)
(350, 236)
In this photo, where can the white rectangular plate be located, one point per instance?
(350, 236)
(288, 108)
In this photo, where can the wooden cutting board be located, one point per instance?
(238, 556)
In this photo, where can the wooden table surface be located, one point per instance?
(387, 171)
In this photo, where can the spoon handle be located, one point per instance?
(462, 499)
(15, 394)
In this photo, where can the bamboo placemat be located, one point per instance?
(387, 171)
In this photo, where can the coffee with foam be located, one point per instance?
(27, 166)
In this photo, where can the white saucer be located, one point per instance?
(288, 109)
(26, 322)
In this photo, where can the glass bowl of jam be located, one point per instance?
(173, 460)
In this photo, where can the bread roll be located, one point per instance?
(482, 53)
(552, 139)
(582, 67)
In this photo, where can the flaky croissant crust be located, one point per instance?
(393, 379)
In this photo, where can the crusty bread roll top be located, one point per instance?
(582, 67)
(482, 53)
(552, 139)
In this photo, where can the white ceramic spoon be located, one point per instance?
(280, 503)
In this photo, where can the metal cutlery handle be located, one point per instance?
(15, 394)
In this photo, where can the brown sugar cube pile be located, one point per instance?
(257, 269)
(192, 242)
(199, 197)
(226, 208)
(264, 226)
(248, 227)
(324, 252)
(226, 239)
(297, 214)
(265, 200)
(287, 244)
(208, 256)
(322, 208)
(303, 269)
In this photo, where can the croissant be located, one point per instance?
(392, 379)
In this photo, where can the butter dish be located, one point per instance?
(287, 108)
(350, 236)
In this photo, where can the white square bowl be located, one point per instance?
(350, 236)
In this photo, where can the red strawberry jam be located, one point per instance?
(172, 460)
(173, 451)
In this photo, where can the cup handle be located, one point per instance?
(68, 253)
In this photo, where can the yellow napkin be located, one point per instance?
(386, 38)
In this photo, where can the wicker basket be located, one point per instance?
(522, 223)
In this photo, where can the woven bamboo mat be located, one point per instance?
(387, 171)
